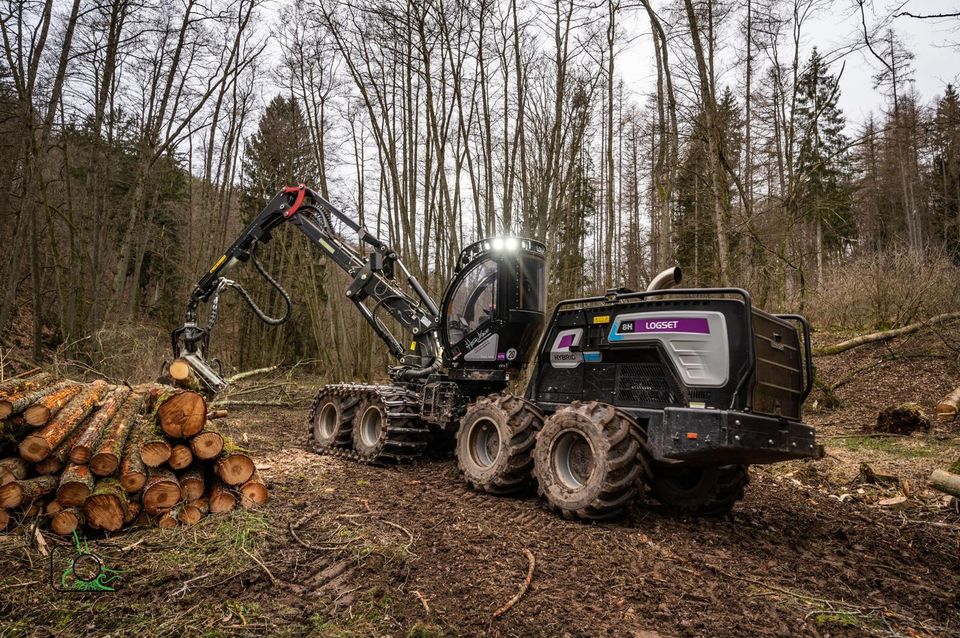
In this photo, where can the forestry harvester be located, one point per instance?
(671, 391)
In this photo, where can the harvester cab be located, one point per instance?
(493, 309)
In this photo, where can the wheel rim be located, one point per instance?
(371, 426)
(327, 421)
(484, 442)
(572, 459)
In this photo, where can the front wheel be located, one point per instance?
(586, 460)
(494, 442)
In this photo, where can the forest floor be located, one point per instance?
(348, 550)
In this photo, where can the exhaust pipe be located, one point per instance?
(666, 279)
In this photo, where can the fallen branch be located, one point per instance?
(259, 562)
(523, 587)
(884, 335)
(250, 373)
(946, 482)
(230, 403)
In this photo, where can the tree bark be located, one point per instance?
(12, 469)
(38, 446)
(18, 402)
(93, 430)
(884, 335)
(106, 458)
(46, 408)
(25, 384)
(946, 482)
(133, 472)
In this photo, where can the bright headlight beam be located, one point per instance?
(511, 243)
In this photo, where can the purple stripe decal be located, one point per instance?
(565, 342)
(697, 325)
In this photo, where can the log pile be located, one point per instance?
(102, 457)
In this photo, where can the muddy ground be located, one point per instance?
(349, 550)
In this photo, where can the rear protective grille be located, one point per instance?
(645, 384)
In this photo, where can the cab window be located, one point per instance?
(474, 302)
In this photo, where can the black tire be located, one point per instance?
(704, 491)
(586, 460)
(494, 443)
(387, 426)
(331, 421)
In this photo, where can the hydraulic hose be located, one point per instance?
(264, 317)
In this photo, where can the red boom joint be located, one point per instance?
(301, 192)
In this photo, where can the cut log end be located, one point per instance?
(235, 468)
(254, 492)
(66, 521)
(133, 482)
(179, 370)
(35, 448)
(4, 519)
(104, 464)
(36, 415)
(221, 499)
(161, 492)
(207, 445)
(155, 453)
(180, 457)
(104, 511)
(182, 415)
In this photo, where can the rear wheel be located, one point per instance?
(387, 426)
(494, 442)
(700, 491)
(586, 460)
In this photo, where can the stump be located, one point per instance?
(906, 418)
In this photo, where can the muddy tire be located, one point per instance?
(331, 421)
(586, 460)
(387, 426)
(707, 491)
(494, 443)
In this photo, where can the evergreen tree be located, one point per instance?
(823, 166)
(695, 233)
(945, 186)
(279, 155)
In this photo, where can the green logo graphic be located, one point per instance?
(86, 571)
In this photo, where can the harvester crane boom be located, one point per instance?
(374, 278)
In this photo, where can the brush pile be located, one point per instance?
(102, 457)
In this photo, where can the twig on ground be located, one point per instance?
(317, 548)
(423, 601)
(523, 587)
(259, 562)
(183, 587)
(866, 435)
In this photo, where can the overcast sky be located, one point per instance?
(934, 43)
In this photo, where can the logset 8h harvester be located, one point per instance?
(673, 391)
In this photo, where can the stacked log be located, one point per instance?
(100, 457)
